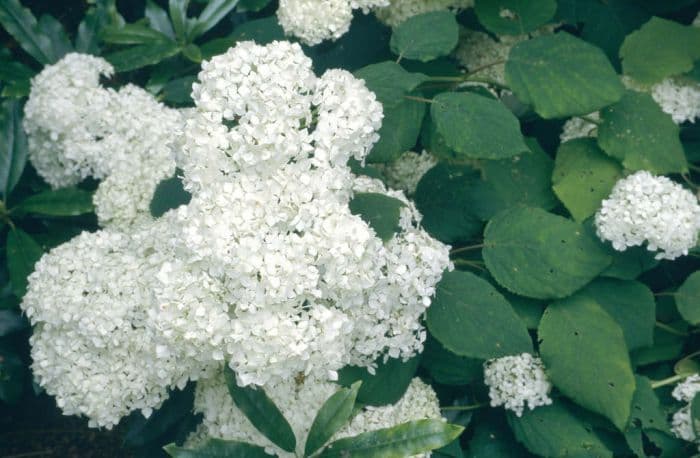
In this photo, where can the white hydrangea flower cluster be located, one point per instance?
(266, 267)
(78, 129)
(579, 127)
(643, 207)
(399, 10)
(299, 403)
(682, 422)
(406, 171)
(515, 381)
(681, 101)
(314, 21)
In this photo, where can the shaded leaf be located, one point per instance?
(61, 202)
(332, 416)
(13, 147)
(217, 448)
(22, 253)
(380, 211)
(19, 22)
(425, 36)
(388, 383)
(141, 56)
(687, 299)
(514, 17)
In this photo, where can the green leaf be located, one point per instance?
(214, 12)
(443, 198)
(631, 304)
(399, 132)
(173, 410)
(695, 414)
(158, 19)
(646, 411)
(89, 30)
(57, 35)
(332, 416)
(262, 412)
(13, 147)
(22, 25)
(141, 56)
(22, 253)
(514, 17)
(637, 132)
(471, 318)
(61, 202)
(380, 211)
(179, 90)
(386, 386)
(389, 81)
(178, 17)
(192, 52)
(561, 75)
(425, 36)
(477, 127)
(687, 299)
(404, 440)
(133, 34)
(540, 255)
(15, 75)
(448, 368)
(583, 176)
(554, 431)
(585, 356)
(520, 180)
(493, 438)
(169, 194)
(217, 448)
(252, 5)
(660, 48)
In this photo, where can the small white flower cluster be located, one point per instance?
(681, 101)
(299, 403)
(478, 52)
(579, 128)
(266, 267)
(682, 422)
(314, 21)
(514, 381)
(399, 10)
(406, 171)
(643, 207)
(78, 129)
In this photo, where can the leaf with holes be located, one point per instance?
(586, 357)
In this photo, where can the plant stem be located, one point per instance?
(670, 329)
(467, 248)
(668, 381)
(665, 293)
(417, 99)
(489, 81)
(465, 408)
(475, 264)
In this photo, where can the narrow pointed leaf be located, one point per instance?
(332, 416)
(404, 440)
(158, 19)
(22, 253)
(262, 412)
(178, 16)
(61, 202)
(19, 22)
(13, 147)
(133, 34)
(142, 56)
(214, 12)
(218, 448)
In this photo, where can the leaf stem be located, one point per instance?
(465, 408)
(687, 179)
(665, 293)
(417, 99)
(694, 167)
(489, 81)
(668, 381)
(467, 248)
(475, 264)
(591, 120)
(670, 329)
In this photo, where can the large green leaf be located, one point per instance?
(520, 180)
(561, 75)
(443, 197)
(687, 298)
(637, 132)
(22, 253)
(585, 356)
(554, 431)
(387, 385)
(332, 416)
(659, 49)
(380, 211)
(15, 76)
(537, 254)
(262, 412)
(631, 304)
(54, 30)
(144, 431)
(399, 132)
(646, 410)
(13, 147)
(583, 176)
(90, 29)
(178, 17)
(19, 22)
(61, 202)
(426, 36)
(217, 448)
(169, 194)
(514, 17)
(158, 19)
(142, 56)
(448, 368)
(389, 81)
(471, 318)
(404, 440)
(133, 34)
(477, 127)
(214, 12)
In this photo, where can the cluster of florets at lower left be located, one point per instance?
(682, 422)
(266, 269)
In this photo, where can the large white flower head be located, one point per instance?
(682, 422)
(266, 267)
(78, 129)
(407, 170)
(399, 10)
(517, 381)
(314, 21)
(652, 209)
(299, 402)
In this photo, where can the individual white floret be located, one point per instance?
(399, 10)
(299, 401)
(646, 208)
(517, 381)
(407, 170)
(78, 129)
